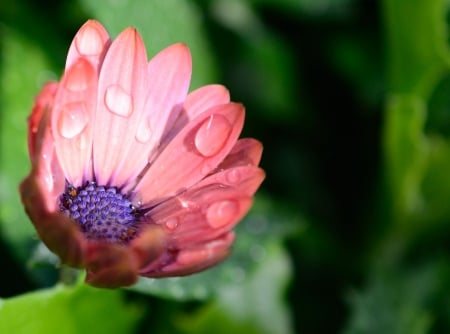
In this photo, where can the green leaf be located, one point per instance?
(402, 301)
(160, 23)
(418, 57)
(67, 310)
(417, 44)
(255, 306)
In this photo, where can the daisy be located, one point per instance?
(131, 175)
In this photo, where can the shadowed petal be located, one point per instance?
(55, 229)
(246, 152)
(111, 265)
(169, 74)
(192, 260)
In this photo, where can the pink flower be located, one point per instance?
(131, 175)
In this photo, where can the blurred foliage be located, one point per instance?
(350, 230)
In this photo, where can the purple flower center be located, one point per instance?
(102, 212)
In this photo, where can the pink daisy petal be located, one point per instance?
(90, 43)
(193, 153)
(192, 260)
(246, 152)
(37, 122)
(55, 229)
(120, 105)
(197, 102)
(169, 74)
(210, 208)
(72, 119)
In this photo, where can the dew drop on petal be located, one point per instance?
(171, 224)
(81, 142)
(118, 101)
(144, 132)
(221, 213)
(233, 176)
(72, 120)
(90, 42)
(212, 135)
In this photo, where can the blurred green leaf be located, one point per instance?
(160, 23)
(255, 306)
(67, 310)
(24, 69)
(260, 61)
(417, 44)
(401, 302)
(418, 57)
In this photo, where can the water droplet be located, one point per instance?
(82, 142)
(72, 120)
(79, 77)
(221, 213)
(118, 101)
(212, 135)
(89, 42)
(233, 176)
(144, 132)
(172, 223)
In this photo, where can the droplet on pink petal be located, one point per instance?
(172, 223)
(221, 213)
(89, 42)
(118, 101)
(212, 135)
(72, 119)
(233, 176)
(144, 132)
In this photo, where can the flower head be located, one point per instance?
(131, 175)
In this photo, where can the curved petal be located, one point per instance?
(193, 153)
(91, 43)
(56, 230)
(38, 120)
(191, 260)
(72, 121)
(120, 101)
(210, 208)
(197, 102)
(246, 152)
(169, 74)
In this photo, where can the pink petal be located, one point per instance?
(191, 260)
(197, 102)
(38, 121)
(120, 104)
(56, 230)
(210, 208)
(246, 152)
(72, 121)
(193, 153)
(169, 74)
(90, 42)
